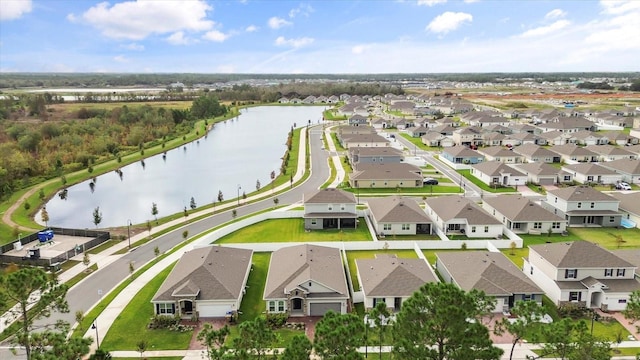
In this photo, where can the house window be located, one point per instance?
(592, 205)
(342, 207)
(579, 205)
(537, 225)
(590, 178)
(620, 272)
(612, 219)
(608, 272)
(473, 229)
(330, 207)
(575, 296)
(281, 306)
(272, 306)
(555, 225)
(166, 308)
(567, 178)
(527, 297)
(531, 271)
(622, 301)
(486, 229)
(378, 300)
(386, 226)
(570, 273)
(405, 227)
(385, 183)
(314, 221)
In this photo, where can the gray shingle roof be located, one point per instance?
(491, 272)
(580, 193)
(629, 202)
(572, 149)
(329, 196)
(213, 272)
(520, 208)
(396, 209)
(386, 171)
(579, 254)
(294, 266)
(533, 150)
(460, 150)
(497, 151)
(609, 150)
(457, 207)
(627, 166)
(495, 168)
(375, 151)
(539, 168)
(588, 169)
(390, 276)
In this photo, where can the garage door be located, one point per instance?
(319, 309)
(213, 310)
(546, 181)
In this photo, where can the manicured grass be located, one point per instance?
(392, 237)
(431, 254)
(483, 186)
(76, 279)
(154, 358)
(333, 173)
(102, 247)
(370, 254)
(131, 324)
(607, 237)
(336, 142)
(283, 335)
(536, 188)
(252, 304)
(418, 143)
(292, 230)
(516, 256)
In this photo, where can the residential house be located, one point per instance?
(535, 153)
(542, 173)
(363, 140)
(446, 130)
(329, 208)
(346, 131)
(523, 216)
(391, 280)
(629, 207)
(496, 173)
(417, 131)
(630, 255)
(453, 214)
(524, 138)
(572, 153)
(524, 128)
(306, 280)
(610, 152)
(358, 120)
(468, 136)
(557, 138)
(395, 215)
(583, 206)
(584, 137)
(588, 173)
(369, 155)
(567, 124)
(493, 138)
(627, 168)
(490, 272)
(501, 154)
(460, 154)
(206, 282)
(386, 175)
(436, 139)
(618, 137)
(582, 273)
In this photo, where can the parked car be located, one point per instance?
(430, 181)
(623, 186)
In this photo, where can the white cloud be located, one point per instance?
(470, 1)
(120, 59)
(294, 43)
(215, 35)
(14, 9)
(431, 2)
(133, 46)
(448, 21)
(178, 38)
(138, 19)
(276, 22)
(547, 29)
(555, 13)
(251, 28)
(302, 9)
(617, 7)
(358, 49)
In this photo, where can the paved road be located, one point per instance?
(88, 292)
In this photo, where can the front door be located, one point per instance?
(296, 304)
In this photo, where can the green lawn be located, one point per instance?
(292, 230)
(284, 336)
(483, 186)
(424, 190)
(370, 254)
(131, 324)
(252, 303)
(102, 247)
(607, 237)
(418, 143)
(516, 255)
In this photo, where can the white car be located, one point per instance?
(623, 186)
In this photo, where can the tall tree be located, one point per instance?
(50, 345)
(338, 336)
(299, 348)
(220, 196)
(97, 216)
(45, 216)
(255, 339)
(258, 185)
(381, 317)
(527, 314)
(214, 341)
(441, 321)
(17, 287)
(154, 211)
(632, 311)
(568, 340)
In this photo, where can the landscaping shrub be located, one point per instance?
(276, 320)
(574, 311)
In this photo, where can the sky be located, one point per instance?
(319, 37)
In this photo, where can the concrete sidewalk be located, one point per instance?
(335, 158)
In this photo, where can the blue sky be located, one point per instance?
(330, 36)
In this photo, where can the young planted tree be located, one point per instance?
(258, 185)
(185, 212)
(97, 216)
(632, 312)
(154, 211)
(17, 287)
(45, 216)
(220, 196)
(213, 340)
(528, 314)
(79, 318)
(156, 251)
(142, 346)
(338, 336)
(234, 214)
(185, 234)
(441, 321)
(131, 268)
(273, 177)
(381, 316)
(276, 201)
(85, 259)
(256, 338)
(299, 348)
(149, 226)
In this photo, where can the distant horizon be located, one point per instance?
(287, 37)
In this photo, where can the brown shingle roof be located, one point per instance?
(578, 254)
(533, 150)
(520, 208)
(213, 272)
(396, 209)
(580, 193)
(294, 266)
(627, 166)
(629, 202)
(495, 168)
(491, 272)
(386, 171)
(539, 168)
(329, 196)
(389, 276)
(457, 207)
(588, 169)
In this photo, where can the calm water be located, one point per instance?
(236, 152)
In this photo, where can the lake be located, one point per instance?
(235, 154)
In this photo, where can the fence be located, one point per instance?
(98, 237)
